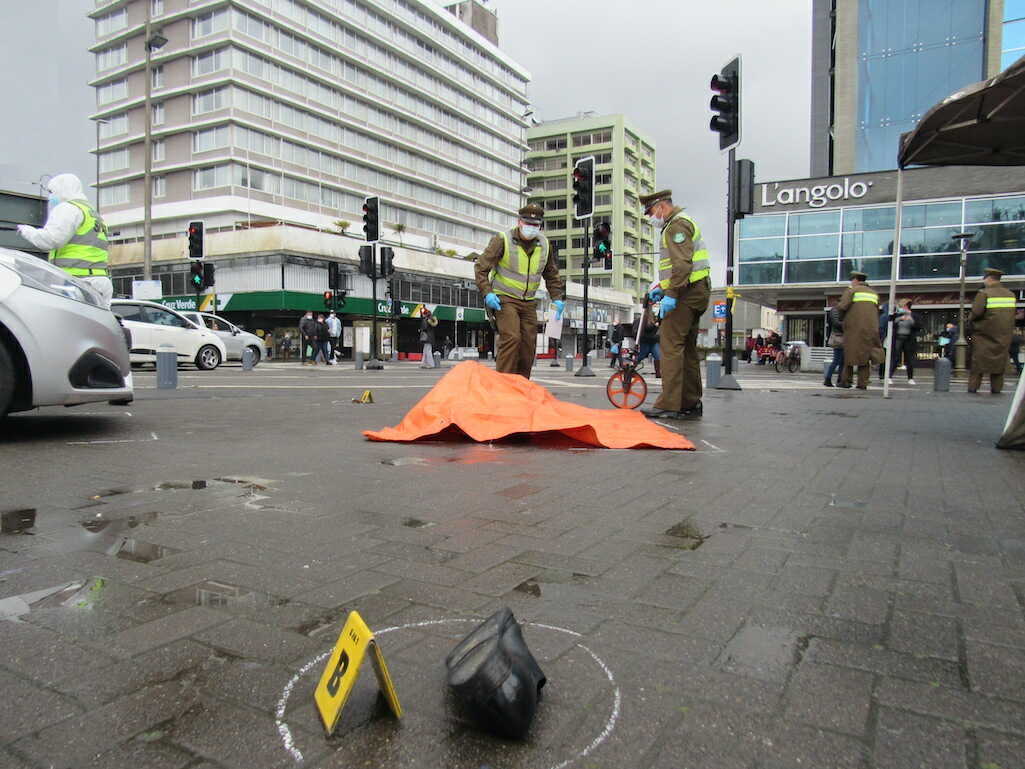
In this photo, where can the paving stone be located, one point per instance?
(483, 558)
(999, 751)
(804, 580)
(876, 659)
(905, 740)
(36, 707)
(985, 586)
(162, 631)
(761, 559)
(253, 640)
(422, 572)
(643, 641)
(588, 566)
(832, 698)
(450, 598)
(765, 652)
(352, 586)
(862, 604)
(996, 670)
(43, 655)
(143, 753)
(952, 704)
(672, 591)
(501, 579)
(923, 635)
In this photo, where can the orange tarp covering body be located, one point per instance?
(485, 405)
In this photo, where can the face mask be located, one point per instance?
(529, 231)
(53, 201)
(656, 221)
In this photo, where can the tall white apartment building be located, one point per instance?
(292, 111)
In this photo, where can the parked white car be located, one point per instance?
(58, 345)
(153, 325)
(235, 339)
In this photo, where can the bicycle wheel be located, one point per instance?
(779, 363)
(623, 397)
(793, 364)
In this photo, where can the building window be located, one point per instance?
(111, 57)
(114, 161)
(112, 22)
(209, 178)
(208, 101)
(208, 62)
(157, 114)
(156, 8)
(113, 195)
(159, 186)
(114, 91)
(603, 178)
(114, 126)
(556, 143)
(555, 204)
(157, 78)
(210, 138)
(209, 23)
(158, 150)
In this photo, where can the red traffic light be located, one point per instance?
(327, 296)
(721, 84)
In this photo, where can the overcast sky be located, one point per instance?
(652, 62)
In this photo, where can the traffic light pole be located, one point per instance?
(585, 370)
(374, 364)
(728, 381)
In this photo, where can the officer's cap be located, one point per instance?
(647, 201)
(532, 213)
(858, 276)
(993, 272)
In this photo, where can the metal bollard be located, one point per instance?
(825, 368)
(713, 371)
(248, 359)
(437, 360)
(167, 367)
(941, 375)
(358, 357)
(569, 363)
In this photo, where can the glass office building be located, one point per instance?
(911, 54)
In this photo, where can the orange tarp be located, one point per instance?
(484, 405)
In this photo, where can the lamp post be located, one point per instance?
(960, 352)
(153, 41)
(104, 121)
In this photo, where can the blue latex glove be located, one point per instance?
(559, 306)
(656, 294)
(667, 306)
(493, 302)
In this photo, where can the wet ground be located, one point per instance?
(831, 580)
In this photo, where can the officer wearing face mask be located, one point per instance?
(683, 290)
(508, 275)
(75, 235)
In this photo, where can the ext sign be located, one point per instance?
(773, 194)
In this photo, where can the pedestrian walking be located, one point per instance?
(307, 338)
(614, 354)
(334, 333)
(905, 340)
(322, 342)
(508, 274)
(268, 341)
(446, 347)
(1017, 340)
(683, 291)
(286, 346)
(992, 319)
(859, 305)
(75, 236)
(427, 338)
(834, 339)
(648, 339)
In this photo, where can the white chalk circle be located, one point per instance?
(610, 724)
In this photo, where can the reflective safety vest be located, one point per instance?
(865, 296)
(999, 302)
(86, 253)
(699, 270)
(519, 274)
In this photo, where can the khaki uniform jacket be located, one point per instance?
(492, 255)
(860, 326)
(681, 254)
(991, 332)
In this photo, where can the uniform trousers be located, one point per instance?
(517, 336)
(996, 381)
(681, 370)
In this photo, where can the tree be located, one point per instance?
(399, 229)
(343, 225)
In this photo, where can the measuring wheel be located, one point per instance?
(626, 392)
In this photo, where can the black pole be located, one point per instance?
(374, 362)
(584, 369)
(731, 204)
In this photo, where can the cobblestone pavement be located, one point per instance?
(831, 580)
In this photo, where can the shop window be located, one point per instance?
(823, 271)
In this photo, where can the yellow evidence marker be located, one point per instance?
(342, 670)
(366, 397)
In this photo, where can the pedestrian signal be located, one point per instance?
(208, 274)
(196, 276)
(602, 238)
(366, 261)
(387, 259)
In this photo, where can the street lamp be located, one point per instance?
(104, 121)
(154, 41)
(961, 343)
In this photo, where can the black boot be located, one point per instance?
(694, 412)
(827, 382)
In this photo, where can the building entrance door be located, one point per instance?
(810, 330)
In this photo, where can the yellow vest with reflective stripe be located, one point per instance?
(999, 302)
(518, 274)
(86, 253)
(865, 296)
(699, 260)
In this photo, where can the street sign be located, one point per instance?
(342, 670)
(719, 311)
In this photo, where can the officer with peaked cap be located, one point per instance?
(859, 307)
(992, 319)
(508, 274)
(683, 289)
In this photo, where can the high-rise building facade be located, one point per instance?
(294, 110)
(624, 170)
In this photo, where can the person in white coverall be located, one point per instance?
(75, 236)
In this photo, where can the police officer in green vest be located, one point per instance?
(75, 235)
(508, 275)
(683, 291)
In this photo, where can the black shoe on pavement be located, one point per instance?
(827, 382)
(694, 412)
(654, 413)
(844, 386)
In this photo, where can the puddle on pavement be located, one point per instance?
(530, 587)
(99, 534)
(690, 536)
(835, 501)
(416, 523)
(143, 552)
(765, 653)
(220, 595)
(249, 482)
(835, 414)
(80, 594)
(403, 461)
(17, 521)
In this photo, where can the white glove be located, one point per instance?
(25, 230)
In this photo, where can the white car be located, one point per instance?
(153, 325)
(235, 339)
(58, 345)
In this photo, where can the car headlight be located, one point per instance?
(40, 275)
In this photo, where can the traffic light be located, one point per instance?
(208, 274)
(371, 218)
(726, 104)
(334, 276)
(387, 258)
(328, 299)
(583, 188)
(196, 276)
(743, 188)
(602, 239)
(366, 261)
(340, 297)
(393, 292)
(195, 240)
